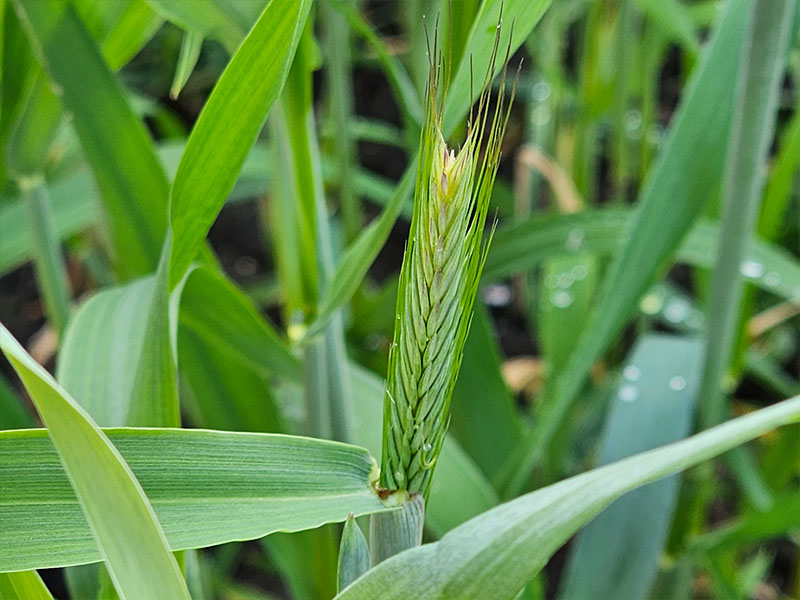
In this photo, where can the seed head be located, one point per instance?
(438, 282)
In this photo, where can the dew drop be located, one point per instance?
(541, 91)
(578, 272)
(427, 447)
(751, 269)
(633, 121)
(565, 280)
(677, 383)
(561, 299)
(772, 279)
(628, 393)
(632, 373)
(676, 310)
(651, 304)
(497, 295)
(575, 239)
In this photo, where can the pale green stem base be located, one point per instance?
(397, 530)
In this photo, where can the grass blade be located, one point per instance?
(122, 520)
(187, 59)
(207, 488)
(228, 126)
(23, 585)
(497, 553)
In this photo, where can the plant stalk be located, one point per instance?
(48, 259)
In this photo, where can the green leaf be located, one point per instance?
(132, 30)
(51, 270)
(102, 349)
(13, 413)
(132, 183)
(23, 585)
(207, 488)
(524, 14)
(487, 425)
(353, 554)
(221, 393)
(34, 129)
(617, 553)
(215, 309)
(495, 554)
(187, 59)
(123, 528)
(228, 126)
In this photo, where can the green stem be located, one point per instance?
(397, 530)
(753, 125)
(48, 259)
(337, 49)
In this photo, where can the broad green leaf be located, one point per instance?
(496, 554)
(207, 488)
(123, 528)
(617, 554)
(23, 585)
(132, 183)
(228, 126)
(680, 183)
(102, 348)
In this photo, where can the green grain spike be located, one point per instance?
(438, 282)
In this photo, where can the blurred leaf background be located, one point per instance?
(641, 284)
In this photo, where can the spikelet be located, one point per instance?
(438, 282)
